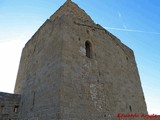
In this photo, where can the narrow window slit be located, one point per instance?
(130, 108)
(88, 49)
(33, 99)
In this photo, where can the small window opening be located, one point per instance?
(130, 108)
(88, 49)
(16, 108)
(126, 58)
(98, 81)
(2, 108)
(99, 73)
(33, 98)
(88, 31)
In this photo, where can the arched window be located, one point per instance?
(88, 47)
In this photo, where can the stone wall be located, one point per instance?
(73, 69)
(9, 106)
(100, 87)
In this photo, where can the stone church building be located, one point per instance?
(74, 69)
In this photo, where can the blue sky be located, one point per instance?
(134, 22)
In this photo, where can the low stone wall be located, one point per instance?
(9, 105)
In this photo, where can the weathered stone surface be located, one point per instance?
(73, 69)
(9, 105)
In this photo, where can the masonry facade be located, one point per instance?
(74, 69)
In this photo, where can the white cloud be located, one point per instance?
(11, 43)
(131, 30)
(153, 104)
(10, 53)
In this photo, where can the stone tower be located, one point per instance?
(73, 69)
